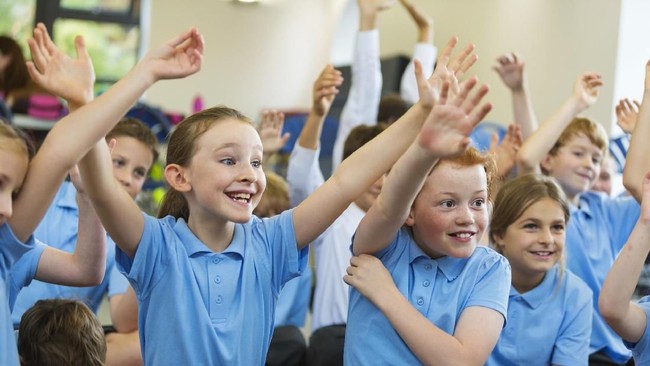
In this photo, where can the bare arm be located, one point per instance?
(511, 71)
(124, 311)
(626, 318)
(637, 162)
(469, 345)
(537, 146)
(87, 264)
(445, 133)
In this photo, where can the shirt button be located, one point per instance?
(420, 301)
(216, 260)
(428, 266)
(426, 283)
(217, 280)
(219, 300)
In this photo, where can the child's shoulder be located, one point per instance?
(487, 255)
(575, 286)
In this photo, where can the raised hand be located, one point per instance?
(511, 70)
(627, 114)
(446, 130)
(368, 275)
(271, 132)
(325, 89)
(179, 57)
(586, 88)
(59, 74)
(446, 70)
(505, 153)
(422, 20)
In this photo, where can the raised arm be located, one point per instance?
(505, 152)
(445, 133)
(470, 343)
(355, 175)
(626, 318)
(424, 51)
(362, 102)
(636, 161)
(537, 146)
(86, 265)
(90, 123)
(120, 215)
(511, 70)
(627, 113)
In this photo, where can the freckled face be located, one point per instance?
(449, 215)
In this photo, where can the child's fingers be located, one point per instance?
(455, 64)
(479, 114)
(38, 60)
(475, 100)
(471, 60)
(185, 37)
(80, 46)
(449, 47)
(464, 91)
(444, 93)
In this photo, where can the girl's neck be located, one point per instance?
(215, 234)
(526, 282)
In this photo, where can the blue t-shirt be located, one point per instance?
(441, 289)
(548, 325)
(641, 349)
(596, 232)
(59, 229)
(293, 301)
(198, 307)
(11, 249)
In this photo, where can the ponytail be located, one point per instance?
(173, 203)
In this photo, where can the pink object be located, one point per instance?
(44, 106)
(197, 106)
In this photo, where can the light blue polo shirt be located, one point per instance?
(597, 231)
(23, 272)
(641, 349)
(293, 302)
(548, 325)
(441, 289)
(11, 249)
(59, 230)
(197, 307)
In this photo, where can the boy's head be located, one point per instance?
(358, 137)
(61, 332)
(133, 154)
(608, 170)
(575, 158)
(391, 108)
(276, 196)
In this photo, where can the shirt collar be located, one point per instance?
(584, 205)
(535, 297)
(67, 196)
(449, 266)
(194, 245)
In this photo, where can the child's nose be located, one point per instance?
(6, 209)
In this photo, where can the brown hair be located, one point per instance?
(275, 198)
(61, 332)
(593, 130)
(17, 140)
(359, 136)
(517, 195)
(15, 76)
(182, 147)
(133, 127)
(472, 157)
(391, 108)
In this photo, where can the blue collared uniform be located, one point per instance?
(597, 231)
(441, 289)
(11, 249)
(641, 349)
(548, 325)
(198, 307)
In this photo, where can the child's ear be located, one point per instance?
(175, 177)
(410, 220)
(497, 240)
(547, 163)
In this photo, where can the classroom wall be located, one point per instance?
(268, 55)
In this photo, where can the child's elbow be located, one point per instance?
(92, 279)
(609, 309)
(525, 163)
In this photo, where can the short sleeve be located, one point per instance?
(493, 286)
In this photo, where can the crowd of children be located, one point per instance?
(436, 253)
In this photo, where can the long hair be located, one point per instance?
(182, 147)
(15, 76)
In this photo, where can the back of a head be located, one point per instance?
(516, 195)
(15, 140)
(276, 196)
(361, 135)
(15, 74)
(391, 108)
(132, 127)
(181, 147)
(591, 129)
(59, 332)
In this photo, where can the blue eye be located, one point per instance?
(256, 164)
(228, 161)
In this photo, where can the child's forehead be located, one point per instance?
(451, 177)
(580, 139)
